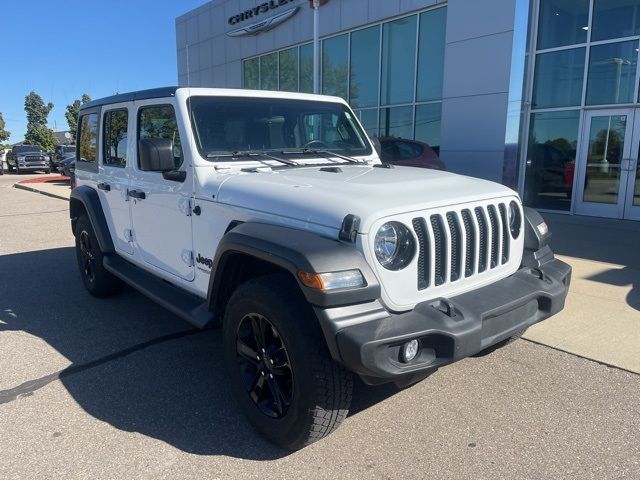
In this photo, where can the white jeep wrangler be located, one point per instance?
(270, 213)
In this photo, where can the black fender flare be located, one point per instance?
(87, 197)
(294, 250)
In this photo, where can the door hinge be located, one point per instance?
(188, 257)
(128, 234)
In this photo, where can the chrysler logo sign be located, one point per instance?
(262, 25)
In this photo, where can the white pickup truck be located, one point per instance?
(270, 214)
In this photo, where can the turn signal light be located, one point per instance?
(332, 280)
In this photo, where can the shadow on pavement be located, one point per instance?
(133, 364)
(622, 277)
(599, 239)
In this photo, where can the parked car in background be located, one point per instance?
(62, 151)
(409, 153)
(69, 170)
(63, 162)
(28, 157)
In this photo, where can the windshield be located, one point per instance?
(224, 125)
(26, 148)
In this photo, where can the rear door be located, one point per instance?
(160, 203)
(115, 171)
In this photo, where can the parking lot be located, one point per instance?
(121, 388)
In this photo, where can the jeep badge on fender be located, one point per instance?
(318, 262)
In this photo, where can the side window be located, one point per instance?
(159, 121)
(88, 137)
(114, 138)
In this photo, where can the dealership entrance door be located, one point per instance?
(608, 183)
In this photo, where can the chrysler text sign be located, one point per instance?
(260, 13)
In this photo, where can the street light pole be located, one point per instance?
(316, 46)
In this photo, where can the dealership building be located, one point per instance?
(541, 95)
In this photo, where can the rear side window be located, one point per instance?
(88, 137)
(114, 140)
(159, 121)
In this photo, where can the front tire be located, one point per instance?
(282, 373)
(97, 280)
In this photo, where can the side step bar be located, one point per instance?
(187, 306)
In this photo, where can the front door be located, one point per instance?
(607, 164)
(159, 205)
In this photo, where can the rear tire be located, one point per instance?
(97, 280)
(312, 393)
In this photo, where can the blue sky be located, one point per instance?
(63, 48)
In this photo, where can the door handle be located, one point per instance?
(137, 194)
(104, 186)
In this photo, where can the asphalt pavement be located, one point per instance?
(121, 388)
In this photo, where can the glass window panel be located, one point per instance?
(252, 73)
(269, 72)
(398, 61)
(88, 137)
(553, 138)
(606, 146)
(558, 79)
(114, 138)
(365, 63)
(431, 54)
(335, 67)
(396, 122)
(159, 121)
(306, 68)
(369, 121)
(428, 119)
(562, 22)
(615, 19)
(288, 70)
(612, 73)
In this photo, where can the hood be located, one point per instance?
(323, 197)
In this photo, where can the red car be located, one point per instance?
(409, 153)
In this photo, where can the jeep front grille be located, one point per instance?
(460, 244)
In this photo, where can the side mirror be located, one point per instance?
(156, 154)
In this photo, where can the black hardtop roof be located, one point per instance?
(131, 96)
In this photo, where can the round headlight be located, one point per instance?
(515, 219)
(394, 246)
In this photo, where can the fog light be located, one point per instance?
(409, 351)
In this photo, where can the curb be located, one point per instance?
(21, 186)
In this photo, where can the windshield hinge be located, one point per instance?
(128, 235)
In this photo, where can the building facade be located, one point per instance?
(541, 95)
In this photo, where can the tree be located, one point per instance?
(37, 114)
(72, 114)
(4, 135)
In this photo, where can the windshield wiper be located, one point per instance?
(251, 153)
(324, 153)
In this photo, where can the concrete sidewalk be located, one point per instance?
(52, 185)
(601, 320)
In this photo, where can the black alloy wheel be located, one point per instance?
(88, 256)
(264, 365)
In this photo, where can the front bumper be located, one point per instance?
(367, 339)
(34, 166)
